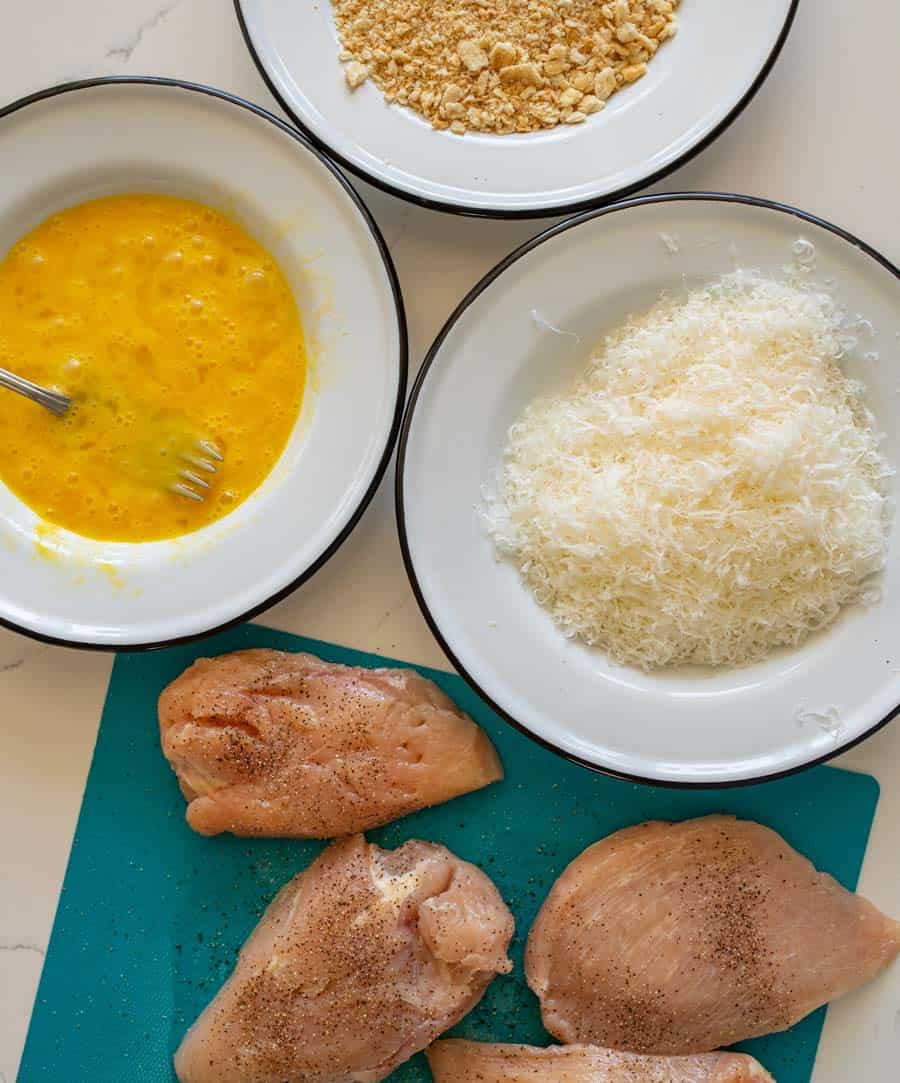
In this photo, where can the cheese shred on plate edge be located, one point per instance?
(711, 488)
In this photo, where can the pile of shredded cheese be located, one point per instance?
(710, 489)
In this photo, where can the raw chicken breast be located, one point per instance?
(269, 743)
(681, 938)
(359, 962)
(454, 1061)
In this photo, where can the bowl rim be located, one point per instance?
(575, 207)
(73, 86)
(402, 447)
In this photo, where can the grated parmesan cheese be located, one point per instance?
(827, 719)
(671, 243)
(545, 325)
(710, 489)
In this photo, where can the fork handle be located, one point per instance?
(55, 402)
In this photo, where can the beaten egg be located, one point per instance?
(166, 323)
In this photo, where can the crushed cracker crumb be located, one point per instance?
(504, 66)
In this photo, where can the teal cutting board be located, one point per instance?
(151, 915)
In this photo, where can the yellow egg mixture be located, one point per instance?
(166, 323)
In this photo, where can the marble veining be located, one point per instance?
(23, 947)
(125, 50)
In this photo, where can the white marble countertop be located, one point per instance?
(821, 134)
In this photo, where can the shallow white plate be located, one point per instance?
(691, 726)
(695, 86)
(105, 136)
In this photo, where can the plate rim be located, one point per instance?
(399, 501)
(227, 97)
(575, 207)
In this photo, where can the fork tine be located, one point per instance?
(211, 450)
(201, 464)
(193, 478)
(185, 490)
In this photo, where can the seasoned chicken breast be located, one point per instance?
(684, 937)
(359, 962)
(455, 1061)
(269, 743)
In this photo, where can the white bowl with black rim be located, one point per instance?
(496, 354)
(696, 85)
(106, 136)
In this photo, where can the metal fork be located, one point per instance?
(200, 457)
(54, 401)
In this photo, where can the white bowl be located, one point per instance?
(99, 137)
(695, 87)
(691, 726)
